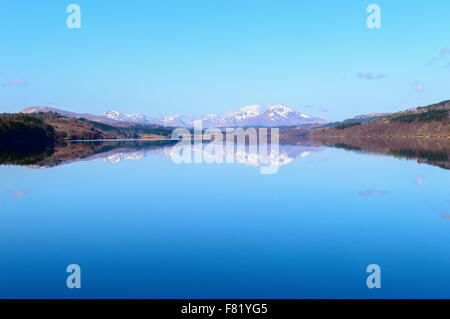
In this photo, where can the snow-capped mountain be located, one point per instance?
(173, 120)
(281, 115)
(255, 115)
(251, 115)
(169, 120)
(231, 119)
(137, 118)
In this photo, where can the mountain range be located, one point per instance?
(253, 115)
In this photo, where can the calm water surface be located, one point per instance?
(141, 226)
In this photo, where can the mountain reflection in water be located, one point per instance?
(113, 152)
(432, 152)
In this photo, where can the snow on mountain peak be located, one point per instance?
(118, 116)
(113, 115)
(168, 119)
(250, 115)
(280, 110)
(175, 120)
(251, 109)
(248, 111)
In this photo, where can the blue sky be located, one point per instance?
(195, 57)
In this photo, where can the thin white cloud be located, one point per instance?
(419, 181)
(443, 58)
(17, 193)
(419, 86)
(370, 76)
(15, 82)
(371, 192)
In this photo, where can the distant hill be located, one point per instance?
(45, 109)
(359, 119)
(87, 116)
(421, 133)
(59, 127)
(425, 121)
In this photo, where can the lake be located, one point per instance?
(141, 226)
